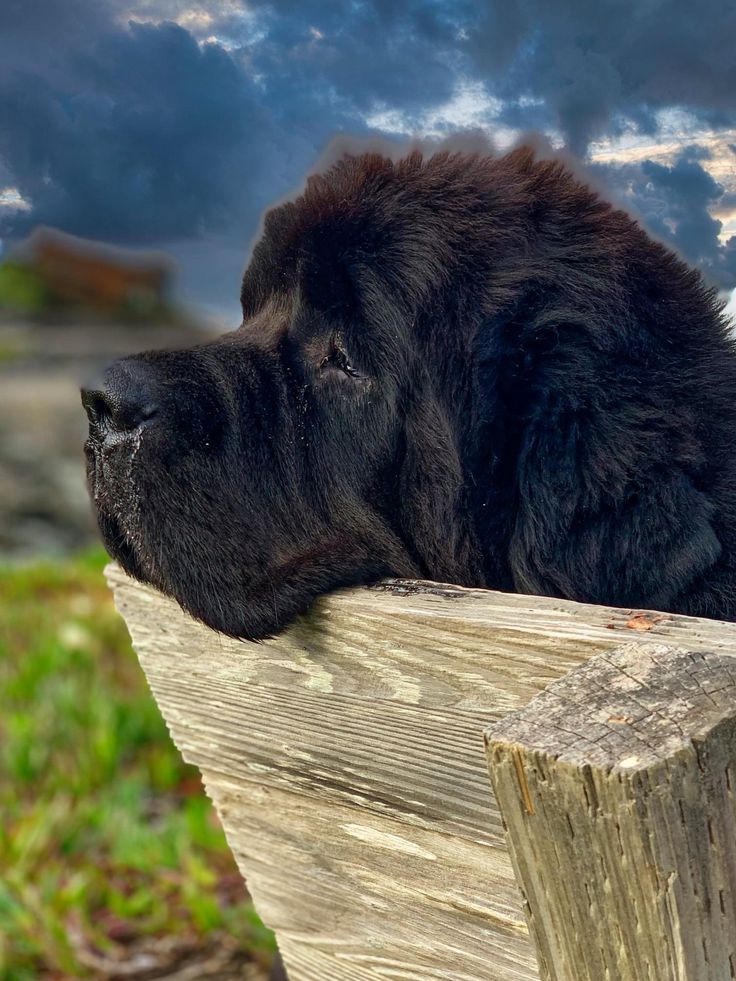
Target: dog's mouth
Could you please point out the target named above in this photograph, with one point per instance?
(115, 494)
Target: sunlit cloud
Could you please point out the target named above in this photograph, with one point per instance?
(677, 131)
(470, 108)
(228, 23)
(10, 197)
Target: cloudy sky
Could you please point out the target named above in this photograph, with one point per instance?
(172, 124)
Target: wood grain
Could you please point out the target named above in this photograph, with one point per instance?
(618, 787)
(345, 758)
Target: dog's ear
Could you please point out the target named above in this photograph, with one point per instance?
(433, 512)
(322, 257)
(609, 510)
(345, 259)
(329, 266)
(351, 236)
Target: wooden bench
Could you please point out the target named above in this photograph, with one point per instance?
(346, 760)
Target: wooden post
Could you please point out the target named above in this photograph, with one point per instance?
(617, 786)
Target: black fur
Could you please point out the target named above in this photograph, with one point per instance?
(459, 368)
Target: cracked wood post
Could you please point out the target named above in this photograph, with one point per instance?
(617, 786)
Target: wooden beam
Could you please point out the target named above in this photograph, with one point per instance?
(345, 758)
(617, 785)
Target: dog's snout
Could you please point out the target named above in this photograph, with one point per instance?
(95, 404)
(121, 400)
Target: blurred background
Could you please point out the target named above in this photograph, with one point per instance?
(139, 145)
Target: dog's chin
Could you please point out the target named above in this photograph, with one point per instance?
(120, 547)
(247, 616)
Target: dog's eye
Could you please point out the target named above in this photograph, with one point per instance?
(338, 359)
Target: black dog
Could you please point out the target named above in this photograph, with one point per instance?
(458, 368)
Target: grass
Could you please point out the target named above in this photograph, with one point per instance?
(109, 849)
(9, 353)
(21, 288)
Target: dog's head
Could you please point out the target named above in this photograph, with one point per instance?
(311, 448)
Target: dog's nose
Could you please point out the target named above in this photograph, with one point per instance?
(121, 400)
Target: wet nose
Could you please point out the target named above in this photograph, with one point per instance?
(122, 399)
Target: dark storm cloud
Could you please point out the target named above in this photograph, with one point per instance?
(137, 132)
(364, 53)
(144, 132)
(38, 34)
(674, 202)
(147, 135)
(593, 65)
(599, 64)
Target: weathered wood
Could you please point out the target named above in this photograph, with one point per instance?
(618, 789)
(345, 758)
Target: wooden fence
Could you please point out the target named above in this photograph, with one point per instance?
(346, 761)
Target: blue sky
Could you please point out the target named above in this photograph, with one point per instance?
(169, 124)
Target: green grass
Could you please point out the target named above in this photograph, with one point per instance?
(21, 288)
(108, 845)
(9, 353)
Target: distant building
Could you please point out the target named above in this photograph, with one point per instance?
(79, 273)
